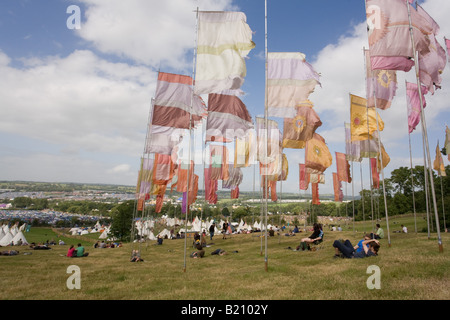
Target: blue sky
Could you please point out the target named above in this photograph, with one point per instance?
(75, 103)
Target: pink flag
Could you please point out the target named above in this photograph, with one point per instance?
(304, 177)
(432, 64)
(413, 104)
(389, 34)
(381, 85)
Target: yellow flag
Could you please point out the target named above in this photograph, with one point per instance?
(317, 155)
(438, 163)
(363, 119)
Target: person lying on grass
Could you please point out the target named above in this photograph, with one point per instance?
(347, 250)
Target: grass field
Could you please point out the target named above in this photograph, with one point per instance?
(412, 268)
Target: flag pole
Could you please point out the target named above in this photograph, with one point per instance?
(189, 150)
(441, 248)
(379, 151)
(267, 134)
(410, 161)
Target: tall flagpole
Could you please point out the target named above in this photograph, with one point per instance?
(267, 136)
(424, 126)
(190, 129)
(379, 152)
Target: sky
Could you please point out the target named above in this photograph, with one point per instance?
(75, 101)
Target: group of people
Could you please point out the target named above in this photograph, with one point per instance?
(77, 252)
(103, 244)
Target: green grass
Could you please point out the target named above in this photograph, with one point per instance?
(411, 268)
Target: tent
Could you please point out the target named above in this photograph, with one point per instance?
(20, 236)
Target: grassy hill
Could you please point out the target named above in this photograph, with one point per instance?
(411, 268)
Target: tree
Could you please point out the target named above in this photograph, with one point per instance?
(122, 220)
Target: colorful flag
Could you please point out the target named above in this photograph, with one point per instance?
(162, 169)
(175, 104)
(144, 182)
(290, 80)
(298, 130)
(160, 192)
(413, 104)
(182, 177)
(224, 40)
(432, 64)
(235, 193)
(352, 148)
(228, 118)
(363, 120)
(317, 154)
(381, 85)
(317, 178)
(315, 193)
(219, 162)
(211, 187)
(244, 150)
(304, 177)
(389, 34)
(191, 197)
(272, 185)
(375, 175)
(343, 168)
(438, 163)
(382, 157)
(369, 147)
(337, 186)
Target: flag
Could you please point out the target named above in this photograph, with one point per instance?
(363, 119)
(304, 177)
(315, 193)
(432, 64)
(352, 148)
(243, 150)
(382, 157)
(389, 34)
(369, 147)
(272, 185)
(337, 186)
(317, 154)
(224, 40)
(162, 169)
(375, 175)
(144, 182)
(219, 162)
(228, 118)
(270, 137)
(191, 197)
(291, 79)
(160, 191)
(235, 178)
(182, 177)
(235, 193)
(211, 187)
(343, 168)
(317, 178)
(175, 104)
(447, 142)
(381, 85)
(413, 104)
(298, 130)
(438, 163)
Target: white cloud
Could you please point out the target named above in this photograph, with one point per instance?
(153, 33)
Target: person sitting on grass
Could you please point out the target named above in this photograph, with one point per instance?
(315, 236)
(81, 252)
(71, 252)
(379, 234)
(200, 253)
(347, 250)
(136, 256)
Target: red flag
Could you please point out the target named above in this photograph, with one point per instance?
(315, 193)
(343, 167)
(338, 195)
(304, 177)
(375, 175)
